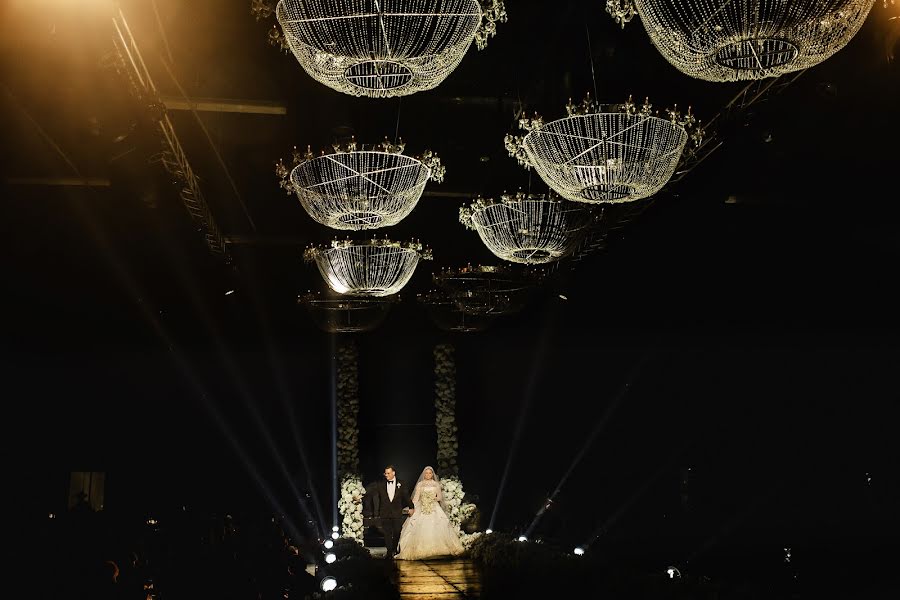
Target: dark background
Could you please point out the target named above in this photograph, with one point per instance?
(764, 331)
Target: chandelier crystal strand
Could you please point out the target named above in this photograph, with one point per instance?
(605, 154)
(527, 228)
(354, 188)
(385, 48)
(737, 40)
(367, 268)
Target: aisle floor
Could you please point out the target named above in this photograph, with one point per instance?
(438, 579)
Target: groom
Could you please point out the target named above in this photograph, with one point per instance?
(393, 497)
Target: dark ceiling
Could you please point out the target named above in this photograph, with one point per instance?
(110, 278)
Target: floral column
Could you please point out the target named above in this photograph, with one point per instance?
(447, 442)
(352, 490)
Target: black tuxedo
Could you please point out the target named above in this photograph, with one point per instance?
(390, 513)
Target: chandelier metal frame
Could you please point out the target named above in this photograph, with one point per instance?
(527, 228)
(486, 289)
(346, 314)
(383, 48)
(736, 40)
(605, 154)
(448, 316)
(376, 267)
(355, 188)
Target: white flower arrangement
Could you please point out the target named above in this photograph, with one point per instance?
(447, 441)
(350, 506)
(468, 539)
(352, 490)
(445, 408)
(452, 489)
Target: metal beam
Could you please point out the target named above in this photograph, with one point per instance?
(60, 181)
(265, 240)
(130, 63)
(224, 105)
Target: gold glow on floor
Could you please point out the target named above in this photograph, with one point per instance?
(438, 579)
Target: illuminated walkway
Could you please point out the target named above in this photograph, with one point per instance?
(438, 579)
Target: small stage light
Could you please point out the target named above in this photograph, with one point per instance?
(563, 297)
(329, 544)
(152, 522)
(328, 584)
(489, 531)
(579, 551)
(673, 572)
(522, 538)
(335, 535)
(52, 516)
(330, 557)
(335, 528)
(229, 292)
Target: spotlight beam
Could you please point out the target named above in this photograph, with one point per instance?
(134, 289)
(234, 371)
(129, 47)
(646, 485)
(727, 528)
(278, 373)
(537, 359)
(600, 426)
(251, 468)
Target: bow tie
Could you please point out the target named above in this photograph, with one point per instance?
(390, 483)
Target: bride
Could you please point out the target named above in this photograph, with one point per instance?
(428, 532)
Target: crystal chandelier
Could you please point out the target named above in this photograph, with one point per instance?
(527, 228)
(732, 40)
(346, 314)
(448, 316)
(355, 188)
(384, 48)
(487, 290)
(367, 268)
(605, 153)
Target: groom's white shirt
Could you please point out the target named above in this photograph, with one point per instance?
(390, 489)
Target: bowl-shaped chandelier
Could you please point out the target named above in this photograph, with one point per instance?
(385, 48)
(604, 153)
(367, 268)
(487, 290)
(731, 40)
(448, 316)
(527, 228)
(346, 314)
(355, 188)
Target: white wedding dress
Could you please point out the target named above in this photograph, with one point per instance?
(428, 532)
